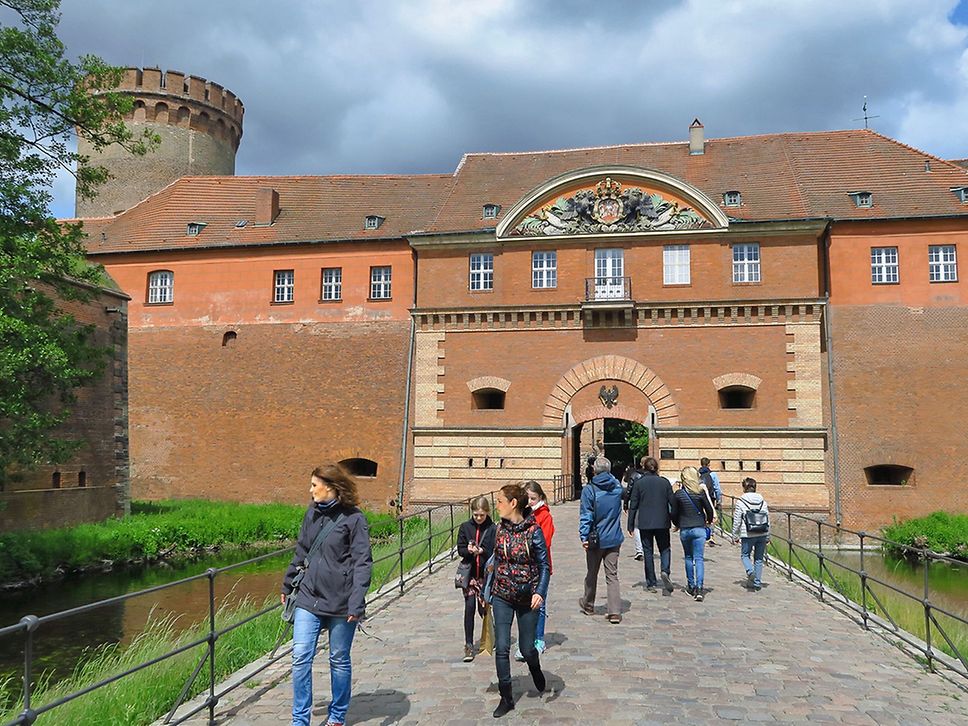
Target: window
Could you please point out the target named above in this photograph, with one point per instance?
(942, 263)
(482, 271)
(332, 283)
(285, 286)
(229, 337)
(491, 211)
(863, 199)
(667, 454)
(889, 475)
(373, 221)
(488, 398)
(732, 199)
(360, 467)
(746, 262)
(675, 265)
(884, 265)
(544, 269)
(161, 287)
(380, 283)
(961, 193)
(55, 480)
(82, 478)
(193, 229)
(736, 397)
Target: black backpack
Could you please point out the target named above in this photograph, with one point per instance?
(756, 520)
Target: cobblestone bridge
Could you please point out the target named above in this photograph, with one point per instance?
(773, 656)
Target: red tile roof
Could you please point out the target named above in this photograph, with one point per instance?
(780, 176)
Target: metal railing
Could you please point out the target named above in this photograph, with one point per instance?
(608, 288)
(816, 565)
(419, 547)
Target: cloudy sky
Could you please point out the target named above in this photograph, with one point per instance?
(375, 86)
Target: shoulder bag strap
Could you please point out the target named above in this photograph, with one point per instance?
(694, 505)
(327, 527)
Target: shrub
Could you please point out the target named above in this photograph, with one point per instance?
(938, 532)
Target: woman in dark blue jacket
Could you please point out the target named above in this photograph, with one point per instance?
(516, 588)
(601, 509)
(332, 593)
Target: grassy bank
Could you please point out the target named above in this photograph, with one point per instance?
(938, 532)
(153, 531)
(143, 697)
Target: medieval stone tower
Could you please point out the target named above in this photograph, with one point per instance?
(200, 125)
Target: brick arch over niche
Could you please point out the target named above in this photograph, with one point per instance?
(747, 380)
(501, 384)
(616, 368)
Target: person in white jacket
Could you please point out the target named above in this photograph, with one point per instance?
(751, 542)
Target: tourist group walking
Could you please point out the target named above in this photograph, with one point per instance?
(505, 567)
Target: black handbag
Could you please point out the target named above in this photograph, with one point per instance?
(594, 540)
(289, 608)
(462, 579)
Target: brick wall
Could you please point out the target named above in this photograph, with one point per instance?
(248, 421)
(901, 399)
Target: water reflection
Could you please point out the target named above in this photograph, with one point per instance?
(58, 646)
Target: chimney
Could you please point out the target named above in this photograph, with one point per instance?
(266, 206)
(697, 144)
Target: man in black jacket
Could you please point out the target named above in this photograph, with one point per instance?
(649, 507)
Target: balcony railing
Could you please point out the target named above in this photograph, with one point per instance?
(608, 289)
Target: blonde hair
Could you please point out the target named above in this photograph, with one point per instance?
(690, 480)
(481, 503)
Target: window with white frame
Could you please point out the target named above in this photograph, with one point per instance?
(884, 265)
(482, 271)
(380, 283)
(161, 287)
(746, 262)
(332, 283)
(675, 265)
(284, 287)
(544, 269)
(942, 263)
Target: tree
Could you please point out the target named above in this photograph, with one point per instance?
(637, 437)
(45, 99)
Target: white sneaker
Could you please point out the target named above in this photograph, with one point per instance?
(519, 656)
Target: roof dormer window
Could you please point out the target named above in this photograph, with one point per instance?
(491, 211)
(732, 199)
(193, 229)
(862, 199)
(961, 193)
(372, 221)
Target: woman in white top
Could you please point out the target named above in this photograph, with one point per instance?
(752, 542)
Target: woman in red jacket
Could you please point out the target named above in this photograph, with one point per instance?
(542, 515)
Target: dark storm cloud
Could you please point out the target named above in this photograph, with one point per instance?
(384, 87)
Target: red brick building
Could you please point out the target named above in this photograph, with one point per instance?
(710, 290)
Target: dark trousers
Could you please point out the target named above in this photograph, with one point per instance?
(660, 537)
(504, 613)
(472, 608)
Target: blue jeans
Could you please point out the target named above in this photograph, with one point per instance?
(305, 635)
(693, 544)
(542, 616)
(756, 545)
(504, 613)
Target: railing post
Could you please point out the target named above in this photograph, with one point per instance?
(211, 645)
(820, 555)
(430, 541)
(400, 521)
(789, 546)
(452, 542)
(31, 622)
(863, 582)
(927, 609)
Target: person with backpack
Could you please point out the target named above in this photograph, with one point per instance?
(517, 587)
(628, 479)
(600, 531)
(751, 524)
(692, 513)
(710, 481)
(475, 545)
(330, 571)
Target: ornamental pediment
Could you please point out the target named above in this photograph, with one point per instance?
(614, 201)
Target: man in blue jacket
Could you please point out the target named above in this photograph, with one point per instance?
(601, 519)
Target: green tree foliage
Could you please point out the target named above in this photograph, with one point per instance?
(637, 437)
(45, 98)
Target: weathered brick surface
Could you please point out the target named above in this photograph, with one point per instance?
(248, 421)
(777, 656)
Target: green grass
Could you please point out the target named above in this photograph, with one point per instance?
(938, 532)
(171, 528)
(907, 613)
(143, 697)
